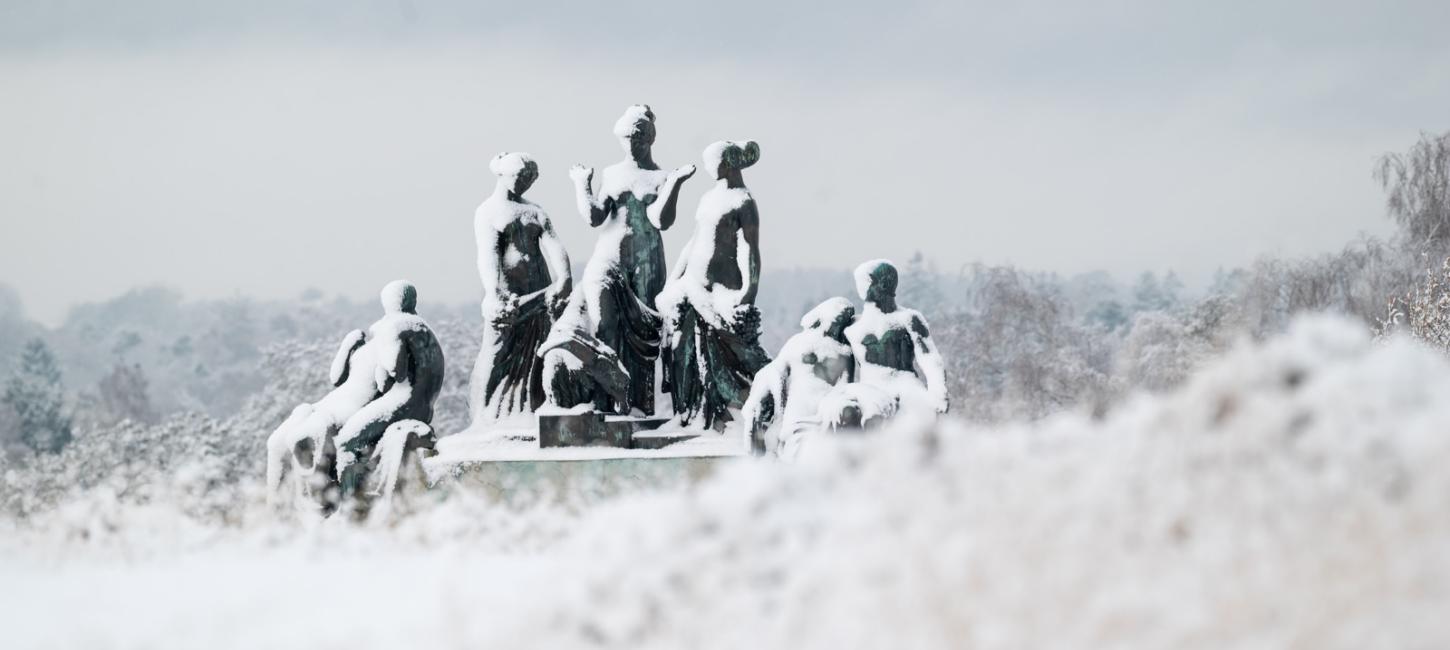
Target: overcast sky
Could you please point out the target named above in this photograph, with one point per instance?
(263, 147)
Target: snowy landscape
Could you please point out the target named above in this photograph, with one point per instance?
(863, 382)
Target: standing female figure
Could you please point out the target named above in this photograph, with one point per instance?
(615, 311)
(526, 282)
(712, 328)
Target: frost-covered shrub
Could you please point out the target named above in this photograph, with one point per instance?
(1423, 312)
(206, 466)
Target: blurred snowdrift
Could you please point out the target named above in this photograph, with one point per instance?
(1292, 494)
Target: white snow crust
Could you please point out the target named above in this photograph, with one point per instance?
(1292, 494)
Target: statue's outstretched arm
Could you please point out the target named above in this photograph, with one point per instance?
(561, 282)
(592, 209)
(662, 212)
(929, 362)
(342, 363)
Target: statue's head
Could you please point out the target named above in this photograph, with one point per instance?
(517, 171)
(876, 283)
(832, 315)
(400, 296)
(725, 155)
(636, 127)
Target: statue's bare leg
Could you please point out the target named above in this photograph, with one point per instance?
(355, 441)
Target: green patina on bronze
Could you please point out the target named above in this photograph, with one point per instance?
(626, 326)
(709, 368)
(895, 348)
(642, 253)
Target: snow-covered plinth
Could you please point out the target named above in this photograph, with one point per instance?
(520, 443)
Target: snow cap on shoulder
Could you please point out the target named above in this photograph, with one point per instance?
(510, 164)
(736, 154)
(399, 296)
(866, 270)
(633, 118)
(827, 312)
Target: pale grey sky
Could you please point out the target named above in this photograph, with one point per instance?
(268, 146)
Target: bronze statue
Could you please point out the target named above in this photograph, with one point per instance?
(526, 282)
(389, 374)
(712, 328)
(612, 318)
(790, 388)
(892, 345)
(408, 373)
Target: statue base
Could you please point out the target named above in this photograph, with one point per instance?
(599, 430)
(616, 441)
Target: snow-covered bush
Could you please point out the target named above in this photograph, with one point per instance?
(1424, 312)
(205, 466)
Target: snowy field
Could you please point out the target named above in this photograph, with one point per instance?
(1294, 494)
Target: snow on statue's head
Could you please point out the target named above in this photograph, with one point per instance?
(515, 170)
(399, 296)
(834, 311)
(636, 125)
(876, 282)
(725, 155)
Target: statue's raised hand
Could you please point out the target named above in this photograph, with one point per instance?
(680, 175)
(582, 175)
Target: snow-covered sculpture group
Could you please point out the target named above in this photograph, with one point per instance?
(700, 321)
(600, 353)
(591, 350)
(385, 382)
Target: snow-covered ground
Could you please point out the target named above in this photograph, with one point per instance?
(1293, 494)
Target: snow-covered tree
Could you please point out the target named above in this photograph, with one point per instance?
(1018, 351)
(921, 286)
(1163, 348)
(1172, 288)
(1149, 294)
(37, 396)
(123, 395)
(1418, 186)
(1108, 315)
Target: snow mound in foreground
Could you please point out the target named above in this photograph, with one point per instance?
(1293, 494)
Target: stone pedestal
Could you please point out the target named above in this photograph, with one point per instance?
(599, 430)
